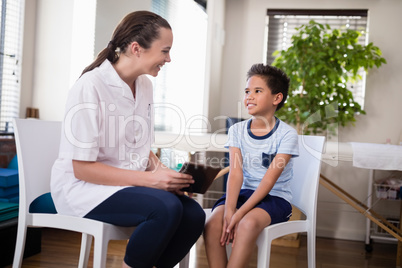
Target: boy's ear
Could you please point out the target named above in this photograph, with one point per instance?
(278, 98)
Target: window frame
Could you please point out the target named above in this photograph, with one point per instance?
(11, 31)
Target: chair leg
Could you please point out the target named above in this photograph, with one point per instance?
(264, 249)
(86, 242)
(184, 263)
(229, 250)
(311, 244)
(100, 252)
(20, 245)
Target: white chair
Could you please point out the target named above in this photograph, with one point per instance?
(37, 148)
(304, 186)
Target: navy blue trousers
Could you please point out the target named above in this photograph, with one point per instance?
(167, 224)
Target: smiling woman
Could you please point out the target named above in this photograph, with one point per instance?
(106, 170)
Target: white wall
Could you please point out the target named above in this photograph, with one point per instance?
(245, 31)
(51, 66)
(108, 15)
(48, 58)
(215, 44)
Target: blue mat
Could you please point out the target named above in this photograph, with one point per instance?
(8, 211)
(8, 177)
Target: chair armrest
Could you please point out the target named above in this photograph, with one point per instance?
(222, 172)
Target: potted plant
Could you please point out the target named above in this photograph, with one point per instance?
(320, 63)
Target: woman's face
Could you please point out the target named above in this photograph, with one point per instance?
(158, 54)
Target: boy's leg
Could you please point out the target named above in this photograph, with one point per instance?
(246, 236)
(216, 254)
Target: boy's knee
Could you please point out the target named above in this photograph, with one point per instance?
(248, 225)
(213, 225)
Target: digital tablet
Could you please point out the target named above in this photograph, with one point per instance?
(203, 176)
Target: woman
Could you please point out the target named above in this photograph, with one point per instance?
(106, 170)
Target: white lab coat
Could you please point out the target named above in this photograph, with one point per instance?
(104, 123)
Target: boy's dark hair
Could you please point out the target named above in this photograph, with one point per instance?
(276, 80)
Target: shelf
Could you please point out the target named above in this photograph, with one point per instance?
(387, 192)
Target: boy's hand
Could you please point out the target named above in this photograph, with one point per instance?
(225, 237)
(232, 227)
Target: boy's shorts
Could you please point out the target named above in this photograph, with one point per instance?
(278, 208)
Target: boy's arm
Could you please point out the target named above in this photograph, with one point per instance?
(235, 181)
(235, 178)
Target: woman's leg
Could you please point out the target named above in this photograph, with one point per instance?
(216, 254)
(247, 233)
(188, 232)
(156, 213)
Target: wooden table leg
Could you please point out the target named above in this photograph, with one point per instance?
(399, 250)
(158, 152)
(370, 214)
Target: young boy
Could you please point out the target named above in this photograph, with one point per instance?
(258, 189)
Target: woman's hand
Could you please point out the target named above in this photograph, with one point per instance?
(170, 180)
(166, 179)
(161, 178)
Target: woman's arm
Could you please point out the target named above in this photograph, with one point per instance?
(159, 177)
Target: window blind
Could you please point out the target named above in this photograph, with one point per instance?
(10, 61)
(282, 24)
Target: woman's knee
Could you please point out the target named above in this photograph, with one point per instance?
(193, 212)
(171, 206)
(197, 212)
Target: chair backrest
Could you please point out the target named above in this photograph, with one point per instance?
(306, 172)
(37, 144)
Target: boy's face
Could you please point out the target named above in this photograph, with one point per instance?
(258, 98)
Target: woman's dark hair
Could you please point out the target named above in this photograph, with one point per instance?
(276, 80)
(139, 26)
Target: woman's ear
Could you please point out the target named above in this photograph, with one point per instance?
(135, 49)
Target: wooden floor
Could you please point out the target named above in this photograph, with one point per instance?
(61, 249)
